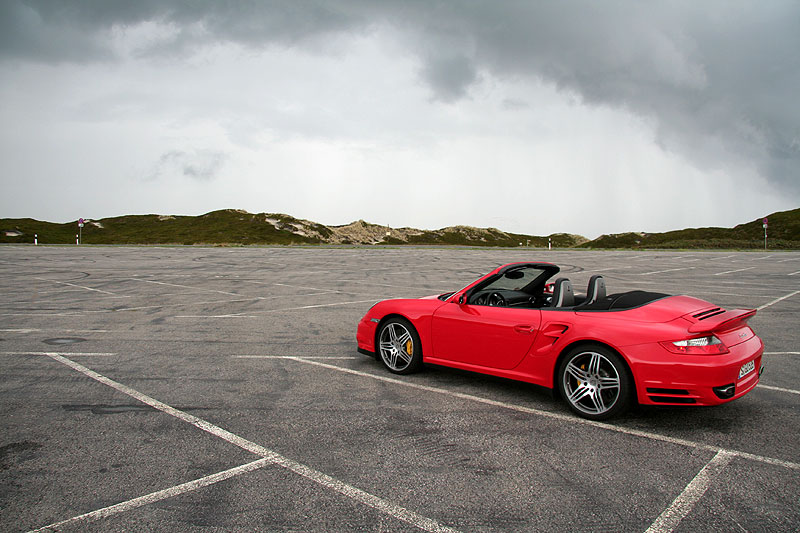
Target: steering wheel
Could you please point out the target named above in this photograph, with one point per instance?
(496, 300)
(480, 299)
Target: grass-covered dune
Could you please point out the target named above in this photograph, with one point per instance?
(231, 226)
(236, 227)
(783, 233)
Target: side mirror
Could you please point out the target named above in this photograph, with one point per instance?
(461, 300)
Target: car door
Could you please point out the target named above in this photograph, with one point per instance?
(494, 337)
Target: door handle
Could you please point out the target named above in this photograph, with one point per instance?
(524, 328)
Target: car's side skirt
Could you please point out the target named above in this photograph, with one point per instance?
(509, 374)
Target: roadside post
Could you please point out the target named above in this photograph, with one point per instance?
(765, 233)
(549, 243)
(80, 231)
(36, 239)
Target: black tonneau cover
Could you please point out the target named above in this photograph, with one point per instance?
(622, 300)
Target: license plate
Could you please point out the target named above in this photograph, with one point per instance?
(747, 368)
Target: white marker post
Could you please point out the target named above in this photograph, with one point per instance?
(549, 243)
(80, 231)
(765, 233)
(36, 239)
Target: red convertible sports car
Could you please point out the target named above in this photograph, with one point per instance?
(599, 352)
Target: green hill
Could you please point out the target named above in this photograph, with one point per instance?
(231, 226)
(236, 227)
(783, 233)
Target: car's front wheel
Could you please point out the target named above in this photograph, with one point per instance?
(399, 346)
(595, 383)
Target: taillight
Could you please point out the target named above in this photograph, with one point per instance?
(708, 345)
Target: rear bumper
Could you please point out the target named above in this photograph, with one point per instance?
(663, 378)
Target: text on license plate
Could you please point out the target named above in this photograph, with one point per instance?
(747, 368)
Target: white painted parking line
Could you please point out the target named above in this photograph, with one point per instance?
(718, 258)
(557, 416)
(324, 305)
(215, 316)
(303, 287)
(776, 300)
(32, 330)
(430, 289)
(157, 496)
(290, 357)
(183, 286)
(219, 302)
(350, 491)
(668, 270)
(732, 271)
(686, 500)
(760, 258)
(79, 354)
(261, 314)
(76, 313)
(781, 353)
(78, 286)
(779, 389)
(794, 273)
(605, 269)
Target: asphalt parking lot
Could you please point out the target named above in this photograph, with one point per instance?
(184, 389)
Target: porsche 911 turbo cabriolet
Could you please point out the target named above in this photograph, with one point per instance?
(600, 352)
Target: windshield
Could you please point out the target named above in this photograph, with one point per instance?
(516, 279)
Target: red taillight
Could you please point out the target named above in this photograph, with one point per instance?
(708, 345)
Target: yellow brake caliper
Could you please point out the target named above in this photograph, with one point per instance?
(409, 347)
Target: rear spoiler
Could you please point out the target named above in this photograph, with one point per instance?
(723, 321)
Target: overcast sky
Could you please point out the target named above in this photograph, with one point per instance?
(533, 117)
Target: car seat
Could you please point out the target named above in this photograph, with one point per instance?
(562, 294)
(596, 290)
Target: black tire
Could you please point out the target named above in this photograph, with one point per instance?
(398, 346)
(595, 383)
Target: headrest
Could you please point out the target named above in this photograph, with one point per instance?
(596, 289)
(562, 293)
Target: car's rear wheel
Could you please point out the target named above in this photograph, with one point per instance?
(595, 383)
(399, 346)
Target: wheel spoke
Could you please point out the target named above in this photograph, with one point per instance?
(406, 336)
(392, 332)
(594, 364)
(577, 373)
(597, 400)
(607, 383)
(579, 393)
(404, 356)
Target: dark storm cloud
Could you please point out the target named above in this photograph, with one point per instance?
(201, 165)
(55, 31)
(449, 77)
(717, 79)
